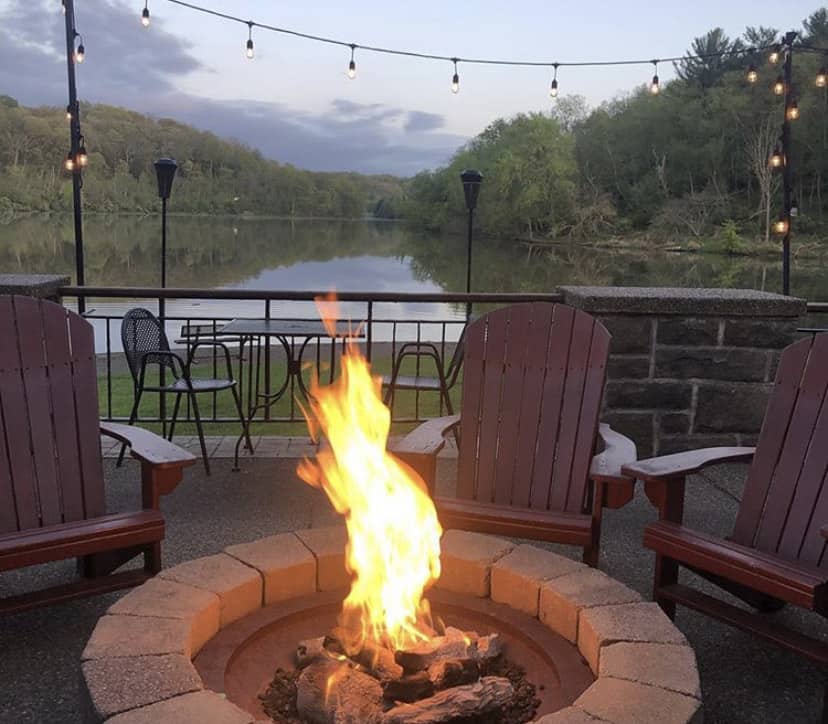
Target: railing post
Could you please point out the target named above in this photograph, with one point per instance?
(267, 360)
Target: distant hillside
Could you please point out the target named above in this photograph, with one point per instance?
(214, 176)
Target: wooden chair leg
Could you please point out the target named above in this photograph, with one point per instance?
(200, 429)
(666, 574)
(152, 558)
(133, 415)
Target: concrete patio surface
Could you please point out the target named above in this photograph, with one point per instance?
(743, 679)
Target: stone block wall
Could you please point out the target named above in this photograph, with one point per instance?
(689, 368)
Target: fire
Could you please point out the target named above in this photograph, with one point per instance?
(393, 550)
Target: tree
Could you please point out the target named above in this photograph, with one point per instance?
(707, 71)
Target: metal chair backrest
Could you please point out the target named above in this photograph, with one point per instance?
(456, 361)
(532, 389)
(50, 450)
(142, 333)
(785, 500)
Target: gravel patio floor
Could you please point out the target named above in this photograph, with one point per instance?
(743, 679)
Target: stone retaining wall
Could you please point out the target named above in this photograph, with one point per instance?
(689, 367)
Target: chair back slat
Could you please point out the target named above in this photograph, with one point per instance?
(519, 332)
(596, 373)
(475, 346)
(44, 440)
(19, 501)
(531, 394)
(532, 390)
(490, 406)
(785, 484)
(59, 361)
(545, 435)
(85, 385)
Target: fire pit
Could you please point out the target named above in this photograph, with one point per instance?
(187, 646)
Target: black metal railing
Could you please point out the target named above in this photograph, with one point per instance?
(385, 329)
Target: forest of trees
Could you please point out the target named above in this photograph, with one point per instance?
(214, 175)
(690, 162)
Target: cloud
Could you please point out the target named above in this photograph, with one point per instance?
(348, 136)
(422, 121)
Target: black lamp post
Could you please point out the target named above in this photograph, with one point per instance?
(471, 190)
(165, 169)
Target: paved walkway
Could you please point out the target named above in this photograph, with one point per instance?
(744, 680)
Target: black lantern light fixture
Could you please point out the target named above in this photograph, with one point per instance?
(471, 190)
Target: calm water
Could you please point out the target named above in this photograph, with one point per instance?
(359, 256)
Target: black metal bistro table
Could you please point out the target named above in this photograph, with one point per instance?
(294, 336)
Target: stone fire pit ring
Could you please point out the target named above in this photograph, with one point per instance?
(137, 667)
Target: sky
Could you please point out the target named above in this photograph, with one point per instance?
(294, 100)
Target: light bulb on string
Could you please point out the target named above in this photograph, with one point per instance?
(83, 157)
(63, 6)
(655, 87)
(455, 79)
(775, 54)
(821, 79)
(68, 113)
(69, 163)
(553, 86)
(80, 51)
(752, 74)
(352, 64)
(776, 159)
(792, 111)
(780, 226)
(779, 86)
(145, 15)
(249, 48)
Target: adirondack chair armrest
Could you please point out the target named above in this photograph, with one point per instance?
(679, 465)
(419, 448)
(162, 462)
(618, 450)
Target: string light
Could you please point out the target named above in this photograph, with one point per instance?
(776, 159)
(792, 111)
(80, 51)
(68, 113)
(752, 74)
(780, 226)
(455, 79)
(779, 86)
(145, 15)
(655, 88)
(775, 54)
(553, 87)
(69, 163)
(83, 158)
(822, 77)
(352, 64)
(249, 50)
(63, 6)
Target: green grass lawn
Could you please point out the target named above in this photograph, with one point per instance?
(405, 403)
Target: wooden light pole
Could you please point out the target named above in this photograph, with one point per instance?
(787, 170)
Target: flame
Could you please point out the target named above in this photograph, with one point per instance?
(393, 550)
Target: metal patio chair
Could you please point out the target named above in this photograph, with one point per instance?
(145, 343)
(442, 383)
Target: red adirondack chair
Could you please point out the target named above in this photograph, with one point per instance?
(52, 503)
(532, 388)
(776, 553)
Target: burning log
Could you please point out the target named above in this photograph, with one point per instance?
(343, 640)
(485, 696)
(331, 692)
(379, 660)
(455, 644)
(409, 688)
(488, 647)
(452, 672)
(309, 651)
